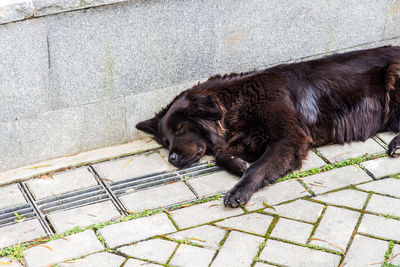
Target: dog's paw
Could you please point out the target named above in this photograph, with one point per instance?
(238, 166)
(394, 150)
(236, 197)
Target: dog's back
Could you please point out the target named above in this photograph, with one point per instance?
(339, 98)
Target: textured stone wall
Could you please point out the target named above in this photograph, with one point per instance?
(78, 75)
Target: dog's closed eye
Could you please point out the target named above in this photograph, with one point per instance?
(166, 143)
(179, 129)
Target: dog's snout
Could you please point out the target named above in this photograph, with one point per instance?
(172, 157)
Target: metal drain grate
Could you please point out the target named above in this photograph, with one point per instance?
(143, 182)
(200, 169)
(37, 209)
(147, 181)
(29, 198)
(73, 199)
(10, 215)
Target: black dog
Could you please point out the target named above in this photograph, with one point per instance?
(273, 117)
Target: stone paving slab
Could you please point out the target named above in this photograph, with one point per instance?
(396, 251)
(245, 247)
(366, 251)
(95, 260)
(380, 227)
(83, 216)
(384, 205)
(213, 184)
(349, 198)
(386, 136)
(336, 153)
(10, 196)
(207, 236)
(261, 264)
(276, 193)
(312, 161)
(138, 263)
(136, 230)
(388, 186)
(72, 246)
(158, 250)
(12, 11)
(203, 213)
(383, 167)
(336, 227)
(9, 262)
(292, 255)
(84, 158)
(164, 153)
(130, 167)
(20, 232)
(157, 197)
(300, 210)
(192, 256)
(253, 223)
(292, 230)
(61, 183)
(47, 7)
(335, 179)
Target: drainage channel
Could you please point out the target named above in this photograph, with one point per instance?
(15, 214)
(147, 181)
(73, 199)
(39, 215)
(38, 209)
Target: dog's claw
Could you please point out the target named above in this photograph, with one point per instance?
(394, 151)
(236, 197)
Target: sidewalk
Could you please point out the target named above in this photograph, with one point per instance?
(117, 209)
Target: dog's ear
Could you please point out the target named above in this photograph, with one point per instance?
(149, 126)
(204, 107)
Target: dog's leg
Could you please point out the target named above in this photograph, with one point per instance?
(281, 158)
(394, 146)
(231, 162)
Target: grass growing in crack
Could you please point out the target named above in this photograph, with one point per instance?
(319, 155)
(264, 243)
(260, 248)
(390, 216)
(103, 242)
(322, 213)
(396, 176)
(220, 244)
(211, 164)
(340, 253)
(388, 253)
(14, 252)
(328, 167)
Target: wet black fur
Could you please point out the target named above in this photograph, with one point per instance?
(274, 116)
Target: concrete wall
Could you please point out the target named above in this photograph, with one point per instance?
(78, 75)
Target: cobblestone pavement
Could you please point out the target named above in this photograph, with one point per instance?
(341, 209)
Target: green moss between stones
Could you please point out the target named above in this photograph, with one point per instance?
(329, 167)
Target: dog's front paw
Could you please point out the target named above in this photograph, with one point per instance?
(394, 150)
(237, 166)
(236, 197)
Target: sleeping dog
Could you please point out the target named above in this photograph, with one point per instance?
(273, 117)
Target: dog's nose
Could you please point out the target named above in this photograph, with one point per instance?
(172, 157)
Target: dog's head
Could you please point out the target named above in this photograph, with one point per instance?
(184, 127)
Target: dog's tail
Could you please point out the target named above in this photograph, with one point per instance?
(392, 84)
